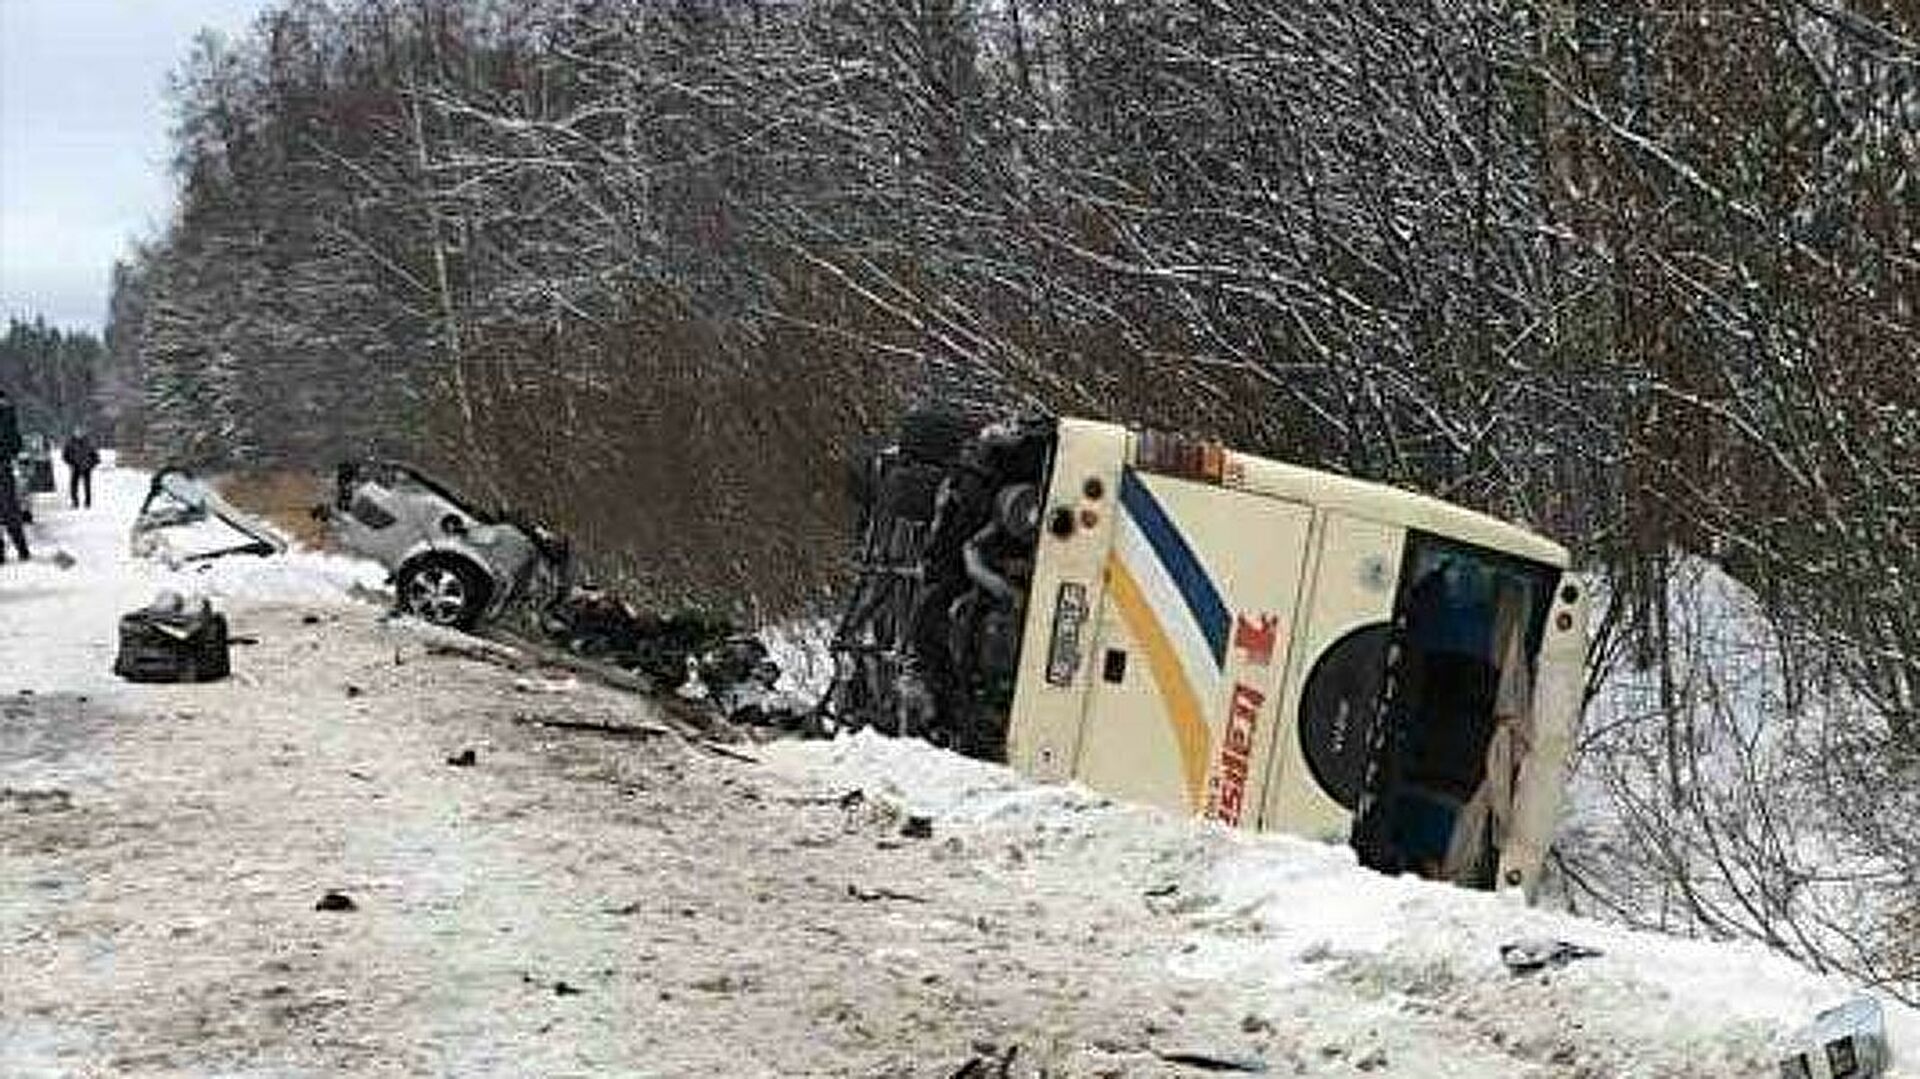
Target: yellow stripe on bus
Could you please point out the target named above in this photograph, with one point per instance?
(1183, 708)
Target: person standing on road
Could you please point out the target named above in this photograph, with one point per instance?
(9, 493)
(82, 456)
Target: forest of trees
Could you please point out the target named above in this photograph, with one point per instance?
(55, 377)
(1643, 275)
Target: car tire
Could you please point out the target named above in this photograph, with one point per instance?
(443, 591)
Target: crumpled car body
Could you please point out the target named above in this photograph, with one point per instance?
(451, 562)
(185, 520)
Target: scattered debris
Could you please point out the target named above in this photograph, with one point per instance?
(613, 730)
(669, 651)
(439, 641)
(336, 901)
(1530, 956)
(849, 800)
(873, 895)
(463, 759)
(173, 639)
(721, 749)
(917, 827)
(985, 1064)
(528, 652)
(1210, 1062)
(30, 801)
(721, 983)
(1844, 1042)
(687, 656)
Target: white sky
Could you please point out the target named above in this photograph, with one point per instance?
(83, 140)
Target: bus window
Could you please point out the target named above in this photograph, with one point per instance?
(1466, 629)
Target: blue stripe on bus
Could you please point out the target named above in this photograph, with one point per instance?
(1203, 599)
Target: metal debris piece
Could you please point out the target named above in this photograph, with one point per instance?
(1210, 1062)
(1531, 956)
(175, 498)
(871, 895)
(1844, 1042)
(985, 1064)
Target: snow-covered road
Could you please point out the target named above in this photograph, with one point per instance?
(575, 904)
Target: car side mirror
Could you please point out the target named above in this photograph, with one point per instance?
(453, 525)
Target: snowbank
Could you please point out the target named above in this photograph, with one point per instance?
(1291, 917)
(1744, 764)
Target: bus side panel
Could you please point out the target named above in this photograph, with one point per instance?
(1063, 603)
(1201, 586)
(1347, 614)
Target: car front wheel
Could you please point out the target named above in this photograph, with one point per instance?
(443, 591)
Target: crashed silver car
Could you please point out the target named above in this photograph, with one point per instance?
(452, 563)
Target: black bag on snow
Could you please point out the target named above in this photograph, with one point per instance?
(173, 640)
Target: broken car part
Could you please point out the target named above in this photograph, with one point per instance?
(177, 503)
(1531, 956)
(173, 639)
(1844, 1042)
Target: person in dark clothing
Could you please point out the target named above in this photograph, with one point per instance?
(82, 458)
(9, 493)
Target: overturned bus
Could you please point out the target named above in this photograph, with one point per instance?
(1172, 622)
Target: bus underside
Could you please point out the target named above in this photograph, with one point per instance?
(928, 644)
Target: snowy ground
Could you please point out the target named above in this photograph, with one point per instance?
(576, 904)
